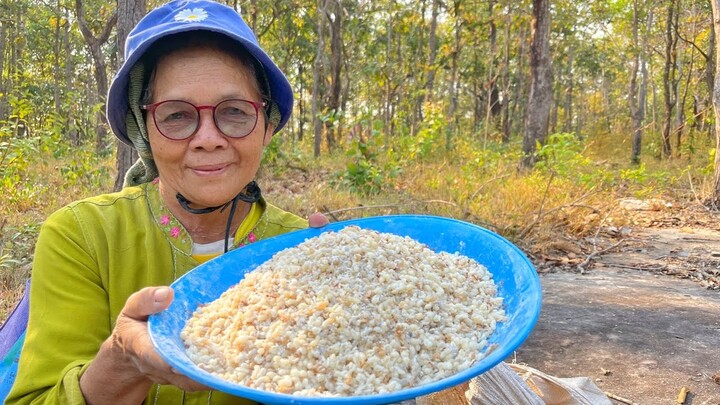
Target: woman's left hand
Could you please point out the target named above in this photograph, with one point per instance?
(318, 220)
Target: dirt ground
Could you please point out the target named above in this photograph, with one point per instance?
(643, 320)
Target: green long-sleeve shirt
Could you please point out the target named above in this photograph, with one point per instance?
(90, 257)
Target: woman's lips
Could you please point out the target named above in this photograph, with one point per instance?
(209, 170)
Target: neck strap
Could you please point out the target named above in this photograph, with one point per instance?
(250, 194)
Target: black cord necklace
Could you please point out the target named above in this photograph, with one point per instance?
(250, 194)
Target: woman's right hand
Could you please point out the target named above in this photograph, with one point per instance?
(127, 364)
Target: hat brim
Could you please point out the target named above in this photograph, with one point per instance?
(117, 101)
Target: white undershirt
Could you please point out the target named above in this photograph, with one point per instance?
(210, 248)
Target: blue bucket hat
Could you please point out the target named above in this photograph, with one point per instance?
(182, 16)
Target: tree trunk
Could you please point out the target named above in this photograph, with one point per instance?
(417, 113)
(493, 100)
(710, 64)
(16, 68)
(253, 15)
(679, 118)
(335, 18)
(637, 103)
(318, 80)
(432, 50)
(301, 105)
(519, 108)
(57, 40)
(506, 122)
(452, 116)
(568, 107)
(100, 69)
(714, 200)
(389, 66)
(74, 134)
(3, 82)
(669, 76)
(541, 83)
(129, 13)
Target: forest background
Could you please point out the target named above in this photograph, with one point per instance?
(530, 118)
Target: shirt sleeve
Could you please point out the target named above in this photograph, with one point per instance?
(69, 315)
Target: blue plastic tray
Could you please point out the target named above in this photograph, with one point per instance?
(513, 273)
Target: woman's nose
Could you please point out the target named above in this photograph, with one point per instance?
(208, 135)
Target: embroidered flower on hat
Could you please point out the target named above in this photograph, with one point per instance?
(188, 15)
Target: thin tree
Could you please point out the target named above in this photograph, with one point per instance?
(334, 14)
(95, 44)
(3, 82)
(637, 96)
(568, 114)
(129, 13)
(714, 200)
(452, 116)
(670, 78)
(432, 49)
(505, 76)
(492, 97)
(388, 71)
(318, 78)
(541, 83)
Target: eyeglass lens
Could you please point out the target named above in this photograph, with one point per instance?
(180, 119)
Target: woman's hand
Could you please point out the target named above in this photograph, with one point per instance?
(317, 220)
(127, 364)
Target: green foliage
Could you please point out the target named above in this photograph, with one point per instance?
(427, 139)
(281, 153)
(84, 169)
(562, 154)
(364, 173)
(15, 153)
(490, 159)
(710, 166)
(637, 175)
(16, 247)
(273, 152)
(6, 261)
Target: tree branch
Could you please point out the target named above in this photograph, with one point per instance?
(687, 41)
(87, 32)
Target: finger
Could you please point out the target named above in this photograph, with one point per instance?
(317, 220)
(178, 380)
(187, 383)
(148, 301)
(173, 377)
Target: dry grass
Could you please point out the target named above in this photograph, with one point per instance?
(533, 209)
(11, 292)
(46, 185)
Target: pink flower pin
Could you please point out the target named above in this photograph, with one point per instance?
(165, 219)
(251, 237)
(175, 232)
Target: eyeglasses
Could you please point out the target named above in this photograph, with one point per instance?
(178, 120)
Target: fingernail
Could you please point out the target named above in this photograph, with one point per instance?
(161, 294)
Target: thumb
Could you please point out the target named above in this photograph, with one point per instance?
(148, 301)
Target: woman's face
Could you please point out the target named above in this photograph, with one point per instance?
(208, 168)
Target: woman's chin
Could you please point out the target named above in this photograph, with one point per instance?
(204, 193)
(210, 196)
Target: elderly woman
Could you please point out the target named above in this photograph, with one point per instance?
(199, 99)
